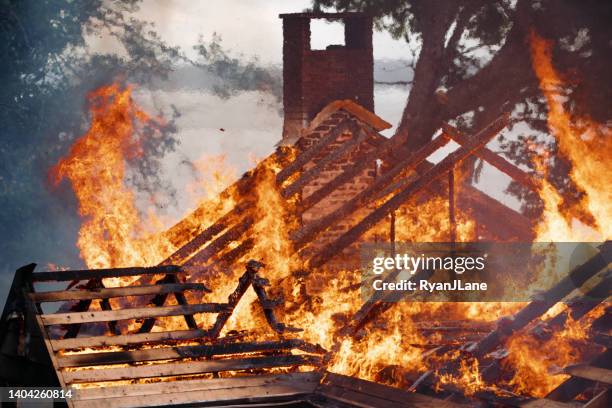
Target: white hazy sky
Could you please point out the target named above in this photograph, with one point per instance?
(250, 27)
(250, 128)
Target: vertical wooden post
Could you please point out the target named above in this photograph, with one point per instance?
(451, 206)
(392, 233)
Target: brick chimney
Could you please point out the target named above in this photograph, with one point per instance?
(314, 78)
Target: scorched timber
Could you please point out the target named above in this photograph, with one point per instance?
(173, 353)
(65, 295)
(311, 153)
(133, 313)
(220, 243)
(160, 300)
(243, 284)
(574, 386)
(364, 197)
(205, 236)
(494, 159)
(310, 174)
(421, 182)
(536, 308)
(546, 300)
(78, 275)
(193, 367)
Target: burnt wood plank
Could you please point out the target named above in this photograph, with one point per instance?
(258, 396)
(576, 278)
(88, 274)
(302, 380)
(589, 372)
(495, 160)
(371, 394)
(128, 339)
(134, 313)
(420, 183)
(220, 242)
(170, 353)
(64, 295)
(306, 234)
(234, 298)
(312, 152)
(191, 367)
(202, 238)
(310, 174)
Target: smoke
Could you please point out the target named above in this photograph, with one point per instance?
(50, 73)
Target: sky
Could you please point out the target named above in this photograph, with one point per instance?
(250, 27)
(233, 133)
(251, 124)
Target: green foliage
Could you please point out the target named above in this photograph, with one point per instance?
(47, 69)
(486, 51)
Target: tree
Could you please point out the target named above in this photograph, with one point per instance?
(47, 69)
(474, 63)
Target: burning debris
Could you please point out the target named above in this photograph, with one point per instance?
(136, 335)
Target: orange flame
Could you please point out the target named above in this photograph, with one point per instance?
(113, 233)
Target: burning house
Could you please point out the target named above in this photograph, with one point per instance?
(253, 299)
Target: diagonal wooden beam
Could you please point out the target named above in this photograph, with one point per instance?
(312, 152)
(495, 160)
(201, 239)
(220, 242)
(306, 234)
(420, 183)
(359, 137)
(536, 308)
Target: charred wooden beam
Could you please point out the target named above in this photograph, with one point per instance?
(65, 295)
(268, 305)
(191, 367)
(306, 234)
(220, 243)
(232, 301)
(536, 308)
(205, 236)
(577, 308)
(88, 274)
(574, 386)
(183, 352)
(310, 174)
(132, 313)
(160, 300)
(589, 372)
(313, 151)
(128, 340)
(421, 182)
(84, 305)
(377, 304)
(494, 159)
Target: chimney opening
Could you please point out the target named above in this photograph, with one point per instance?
(326, 34)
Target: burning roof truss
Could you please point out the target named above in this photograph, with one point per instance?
(198, 354)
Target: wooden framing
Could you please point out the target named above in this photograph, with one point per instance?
(157, 356)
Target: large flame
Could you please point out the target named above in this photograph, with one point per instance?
(115, 233)
(587, 145)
